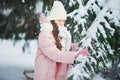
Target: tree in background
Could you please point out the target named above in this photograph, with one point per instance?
(18, 20)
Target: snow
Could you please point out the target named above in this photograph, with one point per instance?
(39, 5)
(23, 1)
(13, 61)
(11, 72)
(6, 12)
(98, 77)
(13, 54)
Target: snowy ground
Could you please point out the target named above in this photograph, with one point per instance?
(13, 61)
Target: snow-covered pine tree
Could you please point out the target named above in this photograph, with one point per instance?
(94, 23)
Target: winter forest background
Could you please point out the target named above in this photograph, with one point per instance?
(95, 24)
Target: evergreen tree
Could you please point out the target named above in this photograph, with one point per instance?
(95, 24)
(20, 21)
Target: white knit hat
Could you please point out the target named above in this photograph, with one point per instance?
(57, 11)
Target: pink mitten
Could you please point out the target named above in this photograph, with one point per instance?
(83, 52)
(42, 18)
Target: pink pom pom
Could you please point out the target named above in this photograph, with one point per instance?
(42, 18)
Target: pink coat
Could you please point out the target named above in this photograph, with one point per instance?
(50, 62)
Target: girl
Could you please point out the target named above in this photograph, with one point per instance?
(53, 56)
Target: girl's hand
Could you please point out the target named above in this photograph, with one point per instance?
(82, 52)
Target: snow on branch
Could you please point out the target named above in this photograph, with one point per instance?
(94, 32)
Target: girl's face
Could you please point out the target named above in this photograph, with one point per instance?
(60, 22)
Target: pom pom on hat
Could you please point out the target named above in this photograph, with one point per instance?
(57, 12)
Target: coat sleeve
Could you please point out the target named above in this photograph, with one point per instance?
(49, 49)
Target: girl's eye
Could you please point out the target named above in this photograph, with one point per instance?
(59, 20)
